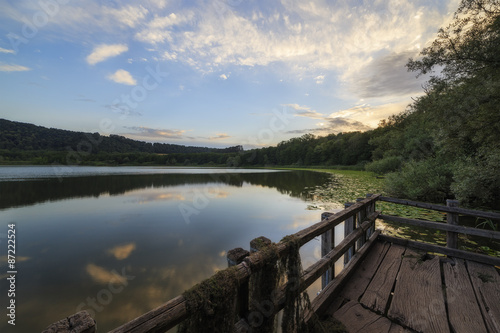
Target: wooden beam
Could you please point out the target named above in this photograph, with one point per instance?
(441, 208)
(488, 260)
(308, 234)
(443, 226)
(452, 219)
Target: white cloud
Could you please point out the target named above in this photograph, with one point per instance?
(319, 79)
(127, 15)
(123, 77)
(2, 50)
(103, 52)
(13, 68)
(224, 76)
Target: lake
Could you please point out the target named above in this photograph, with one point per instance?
(120, 241)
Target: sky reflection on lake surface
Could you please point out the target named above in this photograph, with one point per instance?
(119, 245)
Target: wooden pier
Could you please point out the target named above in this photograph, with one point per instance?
(388, 284)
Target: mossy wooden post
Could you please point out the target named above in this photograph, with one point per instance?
(452, 237)
(327, 244)
(236, 257)
(80, 322)
(261, 314)
(360, 217)
(348, 228)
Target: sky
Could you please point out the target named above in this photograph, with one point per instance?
(213, 73)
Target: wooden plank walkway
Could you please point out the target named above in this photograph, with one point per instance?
(398, 289)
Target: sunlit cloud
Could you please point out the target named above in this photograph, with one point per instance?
(160, 134)
(122, 251)
(123, 77)
(219, 136)
(304, 111)
(104, 52)
(104, 276)
(13, 68)
(370, 115)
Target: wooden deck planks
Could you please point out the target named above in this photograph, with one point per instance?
(377, 293)
(356, 286)
(463, 310)
(486, 282)
(358, 319)
(418, 301)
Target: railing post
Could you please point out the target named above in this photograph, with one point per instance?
(327, 244)
(452, 237)
(348, 228)
(236, 257)
(360, 217)
(369, 210)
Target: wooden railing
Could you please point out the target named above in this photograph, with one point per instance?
(451, 228)
(359, 234)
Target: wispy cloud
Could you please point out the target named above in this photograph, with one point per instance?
(13, 68)
(2, 50)
(123, 77)
(156, 134)
(333, 126)
(127, 15)
(219, 136)
(305, 111)
(104, 52)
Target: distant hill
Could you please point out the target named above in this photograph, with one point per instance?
(23, 136)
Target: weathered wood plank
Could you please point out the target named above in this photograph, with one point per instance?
(358, 319)
(441, 208)
(486, 282)
(418, 301)
(357, 285)
(376, 296)
(463, 311)
(443, 226)
(484, 259)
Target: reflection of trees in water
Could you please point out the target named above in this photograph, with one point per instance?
(23, 193)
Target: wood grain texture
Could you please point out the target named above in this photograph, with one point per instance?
(418, 301)
(356, 286)
(486, 282)
(376, 296)
(357, 319)
(463, 309)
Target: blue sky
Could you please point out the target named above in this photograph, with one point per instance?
(212, 73)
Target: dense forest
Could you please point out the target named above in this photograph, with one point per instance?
(16, 136)
(446, 144)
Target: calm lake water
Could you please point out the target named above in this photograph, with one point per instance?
(120, 241)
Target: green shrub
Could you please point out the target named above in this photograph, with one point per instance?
(427, 180)
(477, 180)
(385, 165)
